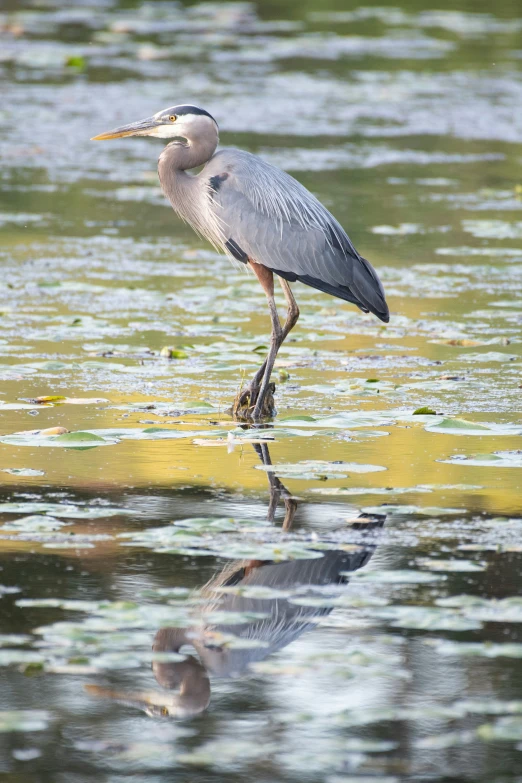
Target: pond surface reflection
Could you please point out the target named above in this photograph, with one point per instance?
(130, 502)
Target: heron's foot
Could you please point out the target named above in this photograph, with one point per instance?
(248, 407)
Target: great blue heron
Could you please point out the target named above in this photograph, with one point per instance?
(260, 216)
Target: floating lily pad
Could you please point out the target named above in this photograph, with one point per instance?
(400, 576)
(24, 720)
(24, 472)
(463, 427)
(427, 511)
(67, 440)
(370, 490)
(467, 566)
(505, 729)
(477, 649)
(428, 618)
(318, 469)
(502, 610)
(34, 524)
(499, 459)
(64, 510)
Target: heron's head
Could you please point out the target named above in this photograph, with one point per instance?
(176, 122)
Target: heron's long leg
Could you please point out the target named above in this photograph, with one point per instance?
(276, 338)
(292, 316)
(292, 313)
(255, 393)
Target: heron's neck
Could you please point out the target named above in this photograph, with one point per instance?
(181, 156)
(181, 188)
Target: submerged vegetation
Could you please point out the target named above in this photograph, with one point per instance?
(334, 595)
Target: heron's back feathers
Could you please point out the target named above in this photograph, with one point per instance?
(271, 218)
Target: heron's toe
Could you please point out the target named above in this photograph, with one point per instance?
(247, 406)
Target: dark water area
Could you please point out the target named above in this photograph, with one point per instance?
(336, 595)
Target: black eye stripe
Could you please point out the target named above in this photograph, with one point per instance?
(179, 111)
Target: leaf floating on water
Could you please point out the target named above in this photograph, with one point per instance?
(451, 565)
(310, 469)
(424, 412)
(476, 649)
(216, 524)
(428, 618)
(24, 720)
(463, 342)
(400, 576)
(505, 729)
(499, 459)
(463, 427)
(370, 490)
(428, 511)
(345, 421)
(34, 524)
(5, 590)
(12, 639)
(212, 442)
(501, 610)
(226, 752)
(297, 419)
(71, 544)
(450, 739)
(81, 440)
(457, 426)
(173, 353)
(195, 406)
(76, 61)
(83, 401)
(20, 657)
(64, 510)
(57, 437)
(232, 440)
(361, 745)
(25, 472)
(490, 356)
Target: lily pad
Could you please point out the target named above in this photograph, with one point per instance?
(318, 468)
(427, 511)
(34, 524)
(24, 472)
(400, 576)
(499, 459)
(463, 427)
(466, 566)
(67, 440)
(64, 510)
(24, 720)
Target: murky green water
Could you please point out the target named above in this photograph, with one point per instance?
(332, 646)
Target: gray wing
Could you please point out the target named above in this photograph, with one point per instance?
(269, 217)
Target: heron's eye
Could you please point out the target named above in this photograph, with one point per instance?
(173, 118)
(164, 711)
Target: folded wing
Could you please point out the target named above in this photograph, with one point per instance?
(269, 217)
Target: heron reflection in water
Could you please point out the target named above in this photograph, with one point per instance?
(280, 621)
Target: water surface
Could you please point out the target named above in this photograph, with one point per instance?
(335, 596)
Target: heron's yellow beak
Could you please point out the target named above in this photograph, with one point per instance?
(140, 128)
